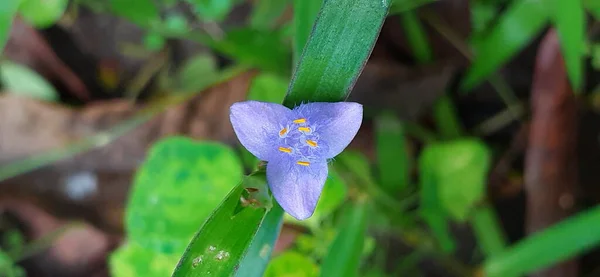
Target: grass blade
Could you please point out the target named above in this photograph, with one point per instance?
(569, 18)
(328, 68)
(305, 13)
(417, 38)
(266, 12)
(344, 254)
(487, 231)
(518, 26)
(255, 262)
(446, 118)
(557, 243)
(392, 157)
(218, 248)
(8, 10)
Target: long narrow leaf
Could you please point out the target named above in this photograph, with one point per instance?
(417, 38)
(569, 18)
(562, 241)
(266, 12)
(337, 50)
(305, 13)
(392, 157)
(488, 232)
(259, 253)
(8, 10)
(518, 26)
(222, 241)
(343, 258)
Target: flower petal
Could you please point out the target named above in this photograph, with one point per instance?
(337, 123)
(296, 188)
(257, 125)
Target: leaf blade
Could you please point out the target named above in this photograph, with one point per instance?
(8, 10)
(392, 156)
(328, 69)
(569, 17)
(343, 258)
(548, 247)
(515, 29)
(258, 255)
(305, 14)
(218, 248)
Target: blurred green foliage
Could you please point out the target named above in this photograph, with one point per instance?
(42, 13)
(186, 187)
(175, 190)
(19, 79)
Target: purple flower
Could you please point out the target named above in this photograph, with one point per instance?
(296, 145)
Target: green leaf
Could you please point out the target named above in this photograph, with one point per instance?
(176, 24)
(42, 13)
(291, 264)
(265, 13)
(198, 73)
(459, 172)
(263, 49)
(176, 189)
(416, 36)
(569, 17)
(345, 252)
(153, 41)
(359, 165)
(220, 244)
(594, 7)
(8, 267)
(446, 118)
(488, 231)
(333, 196)
(595, 55)
(20, 80)
(8, 10)
(250, 161)
(400, 6)
(482, 15)
(337, 50)
(393, 159)
(560, 242)
(431, 209)
(516, 28)
(211, 10)
(305, 14)
(141, 12)
(268, 87)
(132, 259)
(258, 255)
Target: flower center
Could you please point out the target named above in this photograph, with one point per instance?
(300, 141)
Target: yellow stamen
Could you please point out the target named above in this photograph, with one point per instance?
(303, 163)
(312, 143)
(286, 150)
(304, 129)
(283, 131)
(300, 120)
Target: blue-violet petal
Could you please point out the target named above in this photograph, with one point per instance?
(336, 123)
(296, 187)
(257, 125)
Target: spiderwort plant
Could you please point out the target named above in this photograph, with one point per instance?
(296, 144)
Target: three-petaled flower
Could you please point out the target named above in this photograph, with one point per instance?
(296, 143)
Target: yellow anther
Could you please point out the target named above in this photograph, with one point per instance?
(283, 131)
(300, 120)
(304, 129)
(286, 150)
(303, 163)
(311, 143)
